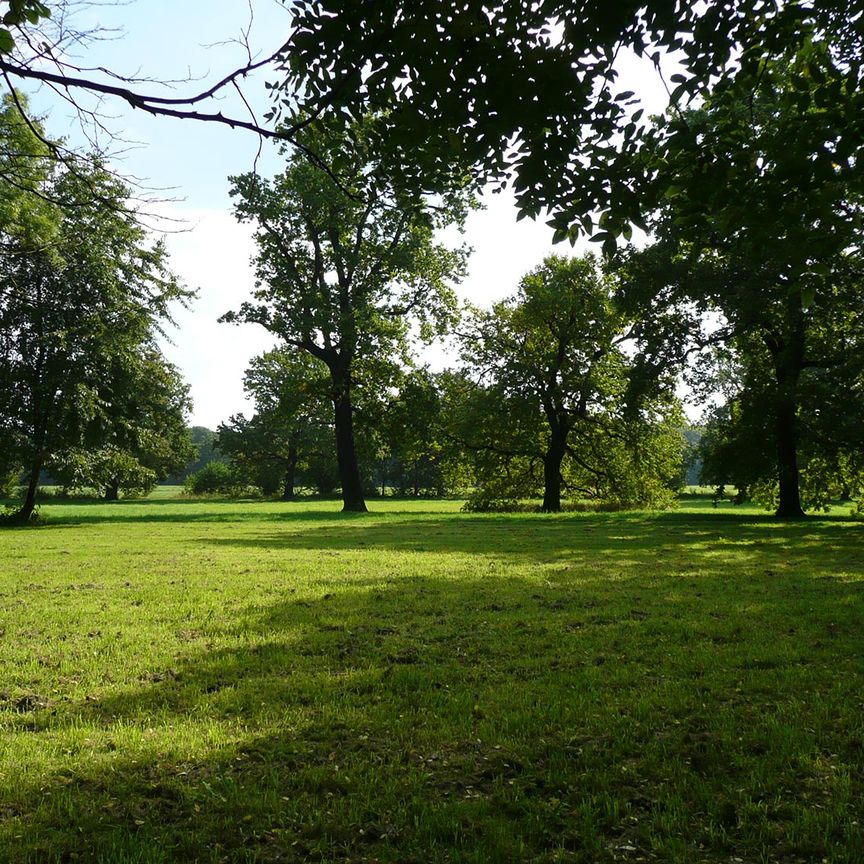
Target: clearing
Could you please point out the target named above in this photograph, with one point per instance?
(223, 681)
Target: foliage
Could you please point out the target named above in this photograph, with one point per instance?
(24, 167)
(140, 431)
(527, 91)
(290, 389)
(215, 478)
(549, 408)
(737, 448)
(9, 483)
(507, 90)
(82, 292)
(342, 270)
(203, 441)
(102, 469)
(320, 470)
(146, 410)
(762, 227)
(20, 12)
(421, 458)
(692, 466)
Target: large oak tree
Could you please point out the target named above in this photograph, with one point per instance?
(762, 225)
(344, 269)
(550, 406)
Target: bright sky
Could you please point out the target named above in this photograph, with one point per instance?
(162, 40)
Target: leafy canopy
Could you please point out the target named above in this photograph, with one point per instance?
(550, 408)
(526, 92)
(83, 292)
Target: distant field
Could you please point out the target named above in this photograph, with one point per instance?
(220, 681)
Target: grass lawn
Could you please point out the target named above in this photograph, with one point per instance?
(188, 681)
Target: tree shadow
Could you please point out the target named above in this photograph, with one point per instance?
(639, 537)
(489, 718)
(190, 511)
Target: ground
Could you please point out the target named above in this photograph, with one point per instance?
(223, 681)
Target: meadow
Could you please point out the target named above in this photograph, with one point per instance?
(257, 681)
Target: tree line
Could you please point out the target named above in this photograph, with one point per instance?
(749, 187)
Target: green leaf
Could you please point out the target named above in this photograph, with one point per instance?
(7, 43)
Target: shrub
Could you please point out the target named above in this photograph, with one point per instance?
(11, 517)
(215, 478)
(9, 484)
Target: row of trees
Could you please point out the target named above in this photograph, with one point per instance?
(84, 389)
(752, 195)
(348, 271)
(348, 274)
(755, 262)
(468, 431)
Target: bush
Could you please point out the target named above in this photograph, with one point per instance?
(215, 478)
(103, 470)
(9, 484)
(11, 518)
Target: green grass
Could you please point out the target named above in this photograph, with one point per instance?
(214, 681)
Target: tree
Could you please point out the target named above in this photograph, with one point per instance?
(738, 445)
(203, 441)
(420, 457)
(139, 434)
(527, 91)
(290, 390)
(343, 270)
(78, 288)
(762, 224)
(20, 12)
(505, 88)
(553, 379)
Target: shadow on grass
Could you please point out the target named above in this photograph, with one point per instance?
(180, 511)
(496, 718)
(646, 537)
(59, 512)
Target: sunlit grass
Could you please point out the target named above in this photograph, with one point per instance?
(223, 681)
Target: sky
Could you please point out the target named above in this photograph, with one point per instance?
(186, 166)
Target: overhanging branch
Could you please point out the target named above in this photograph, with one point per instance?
(160, 106)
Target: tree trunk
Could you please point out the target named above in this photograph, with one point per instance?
(788, 363)
(346, 453)
(786, 437)
(112, 491)
(290, 471)
(552, 472)
(29, 504)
